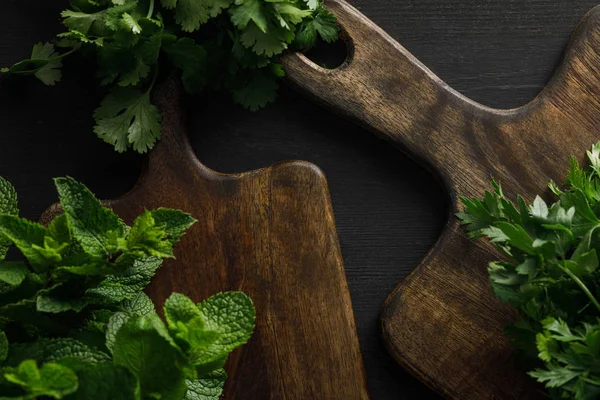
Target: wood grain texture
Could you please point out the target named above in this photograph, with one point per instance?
(271, 234)
(442, 321)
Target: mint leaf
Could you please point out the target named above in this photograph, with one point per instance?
(53, 380)
(126, 117)
(106, 382)
(8, 205)
(139, 305)
(12, 274)
(187, 325)
(209, 387)
(148, 238)
(3, 346)
(232, 316)
(115, 323)
(54, 350)
(96, 229)
(175, 222)
(30, 239)
(127, 285)
(143, 345)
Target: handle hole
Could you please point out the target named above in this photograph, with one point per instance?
(332, 55)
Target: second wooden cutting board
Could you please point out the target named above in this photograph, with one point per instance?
(442, 322)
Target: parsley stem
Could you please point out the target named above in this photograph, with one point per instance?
(582, 286)
(150, 9)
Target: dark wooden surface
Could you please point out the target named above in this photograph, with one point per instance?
(388, 210)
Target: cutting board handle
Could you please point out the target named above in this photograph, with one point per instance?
(174, 150)
(383, 87)
(387, 90)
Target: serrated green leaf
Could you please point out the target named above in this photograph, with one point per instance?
(262, 43)
(259, 90)
(12, 274)
(29, 237)
(127, 285)
(3, 347)
(554, 376)
(115, 323)
(187, 325)
(54, 350)
(106, 382)
(96, 229)
(139, 305)
(148, 238)
(245, 11)
(230, 314)
(143, 346)
(8, 205)
(191, 14)
(209, 387)
(53, 380)
(126, 117)
(190, 58)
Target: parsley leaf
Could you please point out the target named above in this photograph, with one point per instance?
(552, 275)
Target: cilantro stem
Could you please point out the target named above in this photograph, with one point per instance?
(150, 9)
(582, 287)
(33, 71)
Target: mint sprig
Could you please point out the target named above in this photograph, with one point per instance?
(76, 324)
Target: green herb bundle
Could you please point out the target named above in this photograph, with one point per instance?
(552, 277)
(236, 48)
(75, 323)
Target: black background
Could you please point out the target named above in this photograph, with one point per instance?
(389, 210)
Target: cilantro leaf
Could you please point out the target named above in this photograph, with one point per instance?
(258, 89)
(245, 11)
(44, 64)
(126, 117)
(190, 58)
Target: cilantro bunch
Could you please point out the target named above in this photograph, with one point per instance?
(215, 44)
(76, 324)
(550, 275)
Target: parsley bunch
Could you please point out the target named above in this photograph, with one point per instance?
(216, 44)
(76, 324)
(551, 276)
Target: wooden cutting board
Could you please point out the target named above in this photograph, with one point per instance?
(442, 322)
(271, 234)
